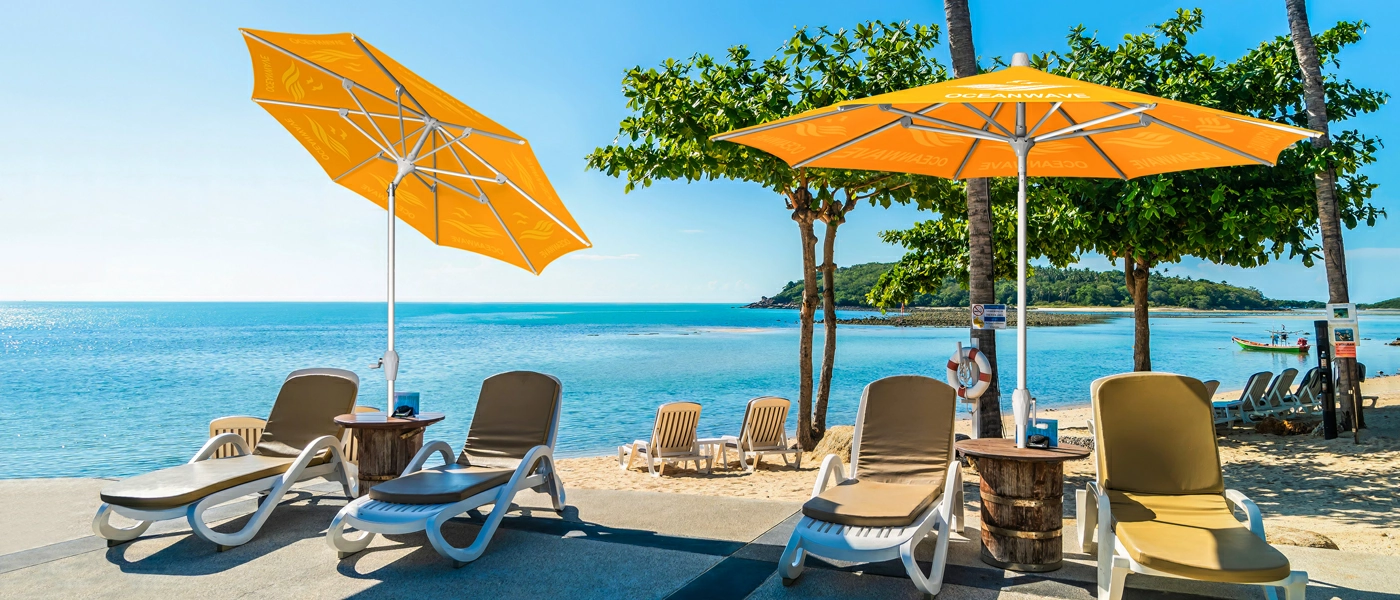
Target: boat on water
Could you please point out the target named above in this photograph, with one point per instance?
(1278, 342)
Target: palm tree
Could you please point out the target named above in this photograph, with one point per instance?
(1329, 221)
(981, 280)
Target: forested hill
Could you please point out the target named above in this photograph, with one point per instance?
(1049, 286)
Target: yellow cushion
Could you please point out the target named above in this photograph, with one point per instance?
(178, 486)
(865, 503)
(1194, 536)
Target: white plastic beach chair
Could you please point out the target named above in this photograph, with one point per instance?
(1277, 399)
(905, 482)
(509, 449)
(672, 441)
(1247, 407)
(1158, 504)
(764, 431)
(299, 442)
(1306, 399)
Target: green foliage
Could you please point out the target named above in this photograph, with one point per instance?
(1391, 303)
(677, 107)
(1243, 216)
(1051, 286)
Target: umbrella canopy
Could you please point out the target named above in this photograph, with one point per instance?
(1019, 122)
(387, 134)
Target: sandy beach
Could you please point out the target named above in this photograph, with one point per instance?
(1305, 485)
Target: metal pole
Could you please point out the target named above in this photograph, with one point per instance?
(391, 358)
(1021, 143)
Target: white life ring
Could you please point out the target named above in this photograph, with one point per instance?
(981, 372)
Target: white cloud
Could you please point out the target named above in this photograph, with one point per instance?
(577, 256)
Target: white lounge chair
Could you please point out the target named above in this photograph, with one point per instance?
(1307, 398)
(764, 431)
(672, 441)
(1158, 505)
(905, 482)
(1278, 399)
(509, 449)
(300, 441)
(1249, 403)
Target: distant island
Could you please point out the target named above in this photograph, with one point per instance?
(1052, 287)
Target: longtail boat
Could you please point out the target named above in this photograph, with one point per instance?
(1278, 342)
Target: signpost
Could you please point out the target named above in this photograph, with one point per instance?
(1324, 372)
(1344, 333)
(989, 316)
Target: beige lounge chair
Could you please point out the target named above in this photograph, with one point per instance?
(509, 449)
(251, 428)
(672, 441)
(1248, 406)
(1278, 399)
(300, 441)
(764, 431)
(1158, 505)
(1307, 398)
(905, 482)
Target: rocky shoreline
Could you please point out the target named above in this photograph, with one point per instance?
(945, 317)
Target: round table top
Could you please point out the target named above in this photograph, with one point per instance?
(1005, 449)
(422, 420)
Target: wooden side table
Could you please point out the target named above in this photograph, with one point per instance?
(385, 446)
(1022, 502)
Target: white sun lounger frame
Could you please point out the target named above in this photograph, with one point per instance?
(1114, 564)
(876, 544)
(271, 489)
(536, 471)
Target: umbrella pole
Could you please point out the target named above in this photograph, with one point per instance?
(391, 358)
(1021, 398)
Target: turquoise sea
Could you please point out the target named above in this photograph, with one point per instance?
(112, 389)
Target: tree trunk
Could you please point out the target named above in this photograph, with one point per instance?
(828, 268)
(805, 217)
(1328, 218)
(981, 278)
(1136, 273)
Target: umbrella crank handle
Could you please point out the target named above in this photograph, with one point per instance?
(378, 364)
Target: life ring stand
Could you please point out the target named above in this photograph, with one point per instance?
(981, 372)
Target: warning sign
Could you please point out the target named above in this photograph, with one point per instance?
(1344, 349)
(989, 316)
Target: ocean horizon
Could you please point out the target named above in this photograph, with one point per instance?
(112, 389)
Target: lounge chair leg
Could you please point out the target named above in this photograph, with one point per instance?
(791, 563)
(462, 556)
(1087, 520)
(102, 526)
(1113, 576)
(343, 545)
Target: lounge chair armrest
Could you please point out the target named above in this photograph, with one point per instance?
(309, 453)
(831, 465)
(952, 481)
(1105, 514)
(530, 461)
(218, 441)
(427, 451)
(1254, 520)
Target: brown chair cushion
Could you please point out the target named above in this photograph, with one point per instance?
(1155, 434)
(1193, 536)
(907, 433)
(178, 486)
(865, 503)
(515, 412)
(440, 485)
(306, 409)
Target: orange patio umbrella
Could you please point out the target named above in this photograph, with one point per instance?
(1019, 122)
(387, 134)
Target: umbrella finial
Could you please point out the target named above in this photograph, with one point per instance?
(1020, 59)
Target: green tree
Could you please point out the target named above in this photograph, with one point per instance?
(1242, 216)
(678, 106)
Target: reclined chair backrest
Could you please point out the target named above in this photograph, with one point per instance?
(765, 423)
(1155, 434)
(1211, 386)
(1252, 397)
(1274, 397)
(515, 412)
(306, 409)
(904, 431)
(1309, 387)
(674, 430)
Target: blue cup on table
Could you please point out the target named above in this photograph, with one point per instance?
(409, 399)
(1049, 428)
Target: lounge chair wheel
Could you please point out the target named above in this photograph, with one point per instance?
(788, 581)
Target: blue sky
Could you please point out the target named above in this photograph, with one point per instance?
(134, 166)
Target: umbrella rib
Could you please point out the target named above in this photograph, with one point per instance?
(1091, 122)
(320, 68)
(448, 143)
(988, 119)
(414, 118)
(375, 125)
(1095, 146)
(456, 174)
(453, 187)
(391, 77)
(973, 148)
(522, 192)
(857, 139)
(957, 127)
(382, 150)
(766, 126)
(1207, 140)
(337, 178)
(512, 236)
(1053, 109)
